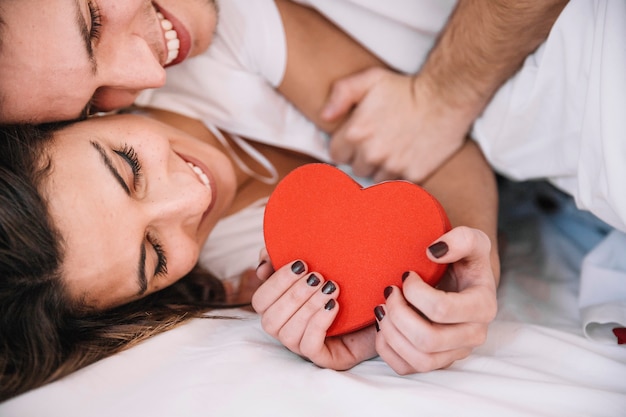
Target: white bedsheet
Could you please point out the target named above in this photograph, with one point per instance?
(536, 362)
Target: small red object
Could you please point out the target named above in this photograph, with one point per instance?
(620, 333)
(363, 239)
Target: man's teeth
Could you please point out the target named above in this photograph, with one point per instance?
(173, 44)
(201, 175)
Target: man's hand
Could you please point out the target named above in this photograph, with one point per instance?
(404, 126)
(398, 128)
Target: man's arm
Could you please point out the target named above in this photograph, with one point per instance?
(408, 125)
(482, 45)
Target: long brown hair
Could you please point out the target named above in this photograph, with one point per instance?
(43, 335)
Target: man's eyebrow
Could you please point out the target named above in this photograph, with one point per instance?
(104, 157)
(86, 35)
(141, 269)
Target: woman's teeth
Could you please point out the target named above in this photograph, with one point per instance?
(171, 37)
(201, 175)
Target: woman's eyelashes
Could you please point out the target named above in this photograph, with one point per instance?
(130, 156)
(96, 21)
(161, 265)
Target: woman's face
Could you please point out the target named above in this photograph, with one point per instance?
(59, 58)
(134, 200)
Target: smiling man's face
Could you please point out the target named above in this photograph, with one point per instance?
(60, 59)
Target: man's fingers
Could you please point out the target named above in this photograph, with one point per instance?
(346, 93)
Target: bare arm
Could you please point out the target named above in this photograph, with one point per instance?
(465, 185)
(482, 45)
(318, 53)
(453, 319)
(407, 125)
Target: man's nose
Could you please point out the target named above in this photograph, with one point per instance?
(125, 74)
(136, 69)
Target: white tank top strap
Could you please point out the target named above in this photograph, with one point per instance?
(272, 178)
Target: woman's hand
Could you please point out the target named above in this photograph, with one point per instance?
(424, 328)
(297, 307)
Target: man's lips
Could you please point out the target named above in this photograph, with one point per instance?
(183, 36)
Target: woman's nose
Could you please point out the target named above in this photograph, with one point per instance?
(180, 201)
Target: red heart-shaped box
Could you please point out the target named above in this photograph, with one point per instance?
(363, 239)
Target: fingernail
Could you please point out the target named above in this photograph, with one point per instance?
(329, 288)
(297, 267)
(377, 326)
(379, 312)
(330, 304)
(263, 262)
(387, 292)
(313, 281)
(405, 276)
(438, 249)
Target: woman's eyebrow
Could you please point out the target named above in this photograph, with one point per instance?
(86, 36)
(104, 157)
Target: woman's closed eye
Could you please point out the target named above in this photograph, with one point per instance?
(161, 264)
(128, 153)
(130, 156)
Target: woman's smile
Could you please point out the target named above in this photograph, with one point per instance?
(205, 177)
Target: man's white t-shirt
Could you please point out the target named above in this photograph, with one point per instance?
(562, 117)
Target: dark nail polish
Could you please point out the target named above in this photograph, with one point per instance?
(387, 292)
(297, 267)
(263, 262)
(330, 304)
(329, 288)
(405, 276)
(438, 249)
(313, 281)
(377, 326)
(379, 312)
